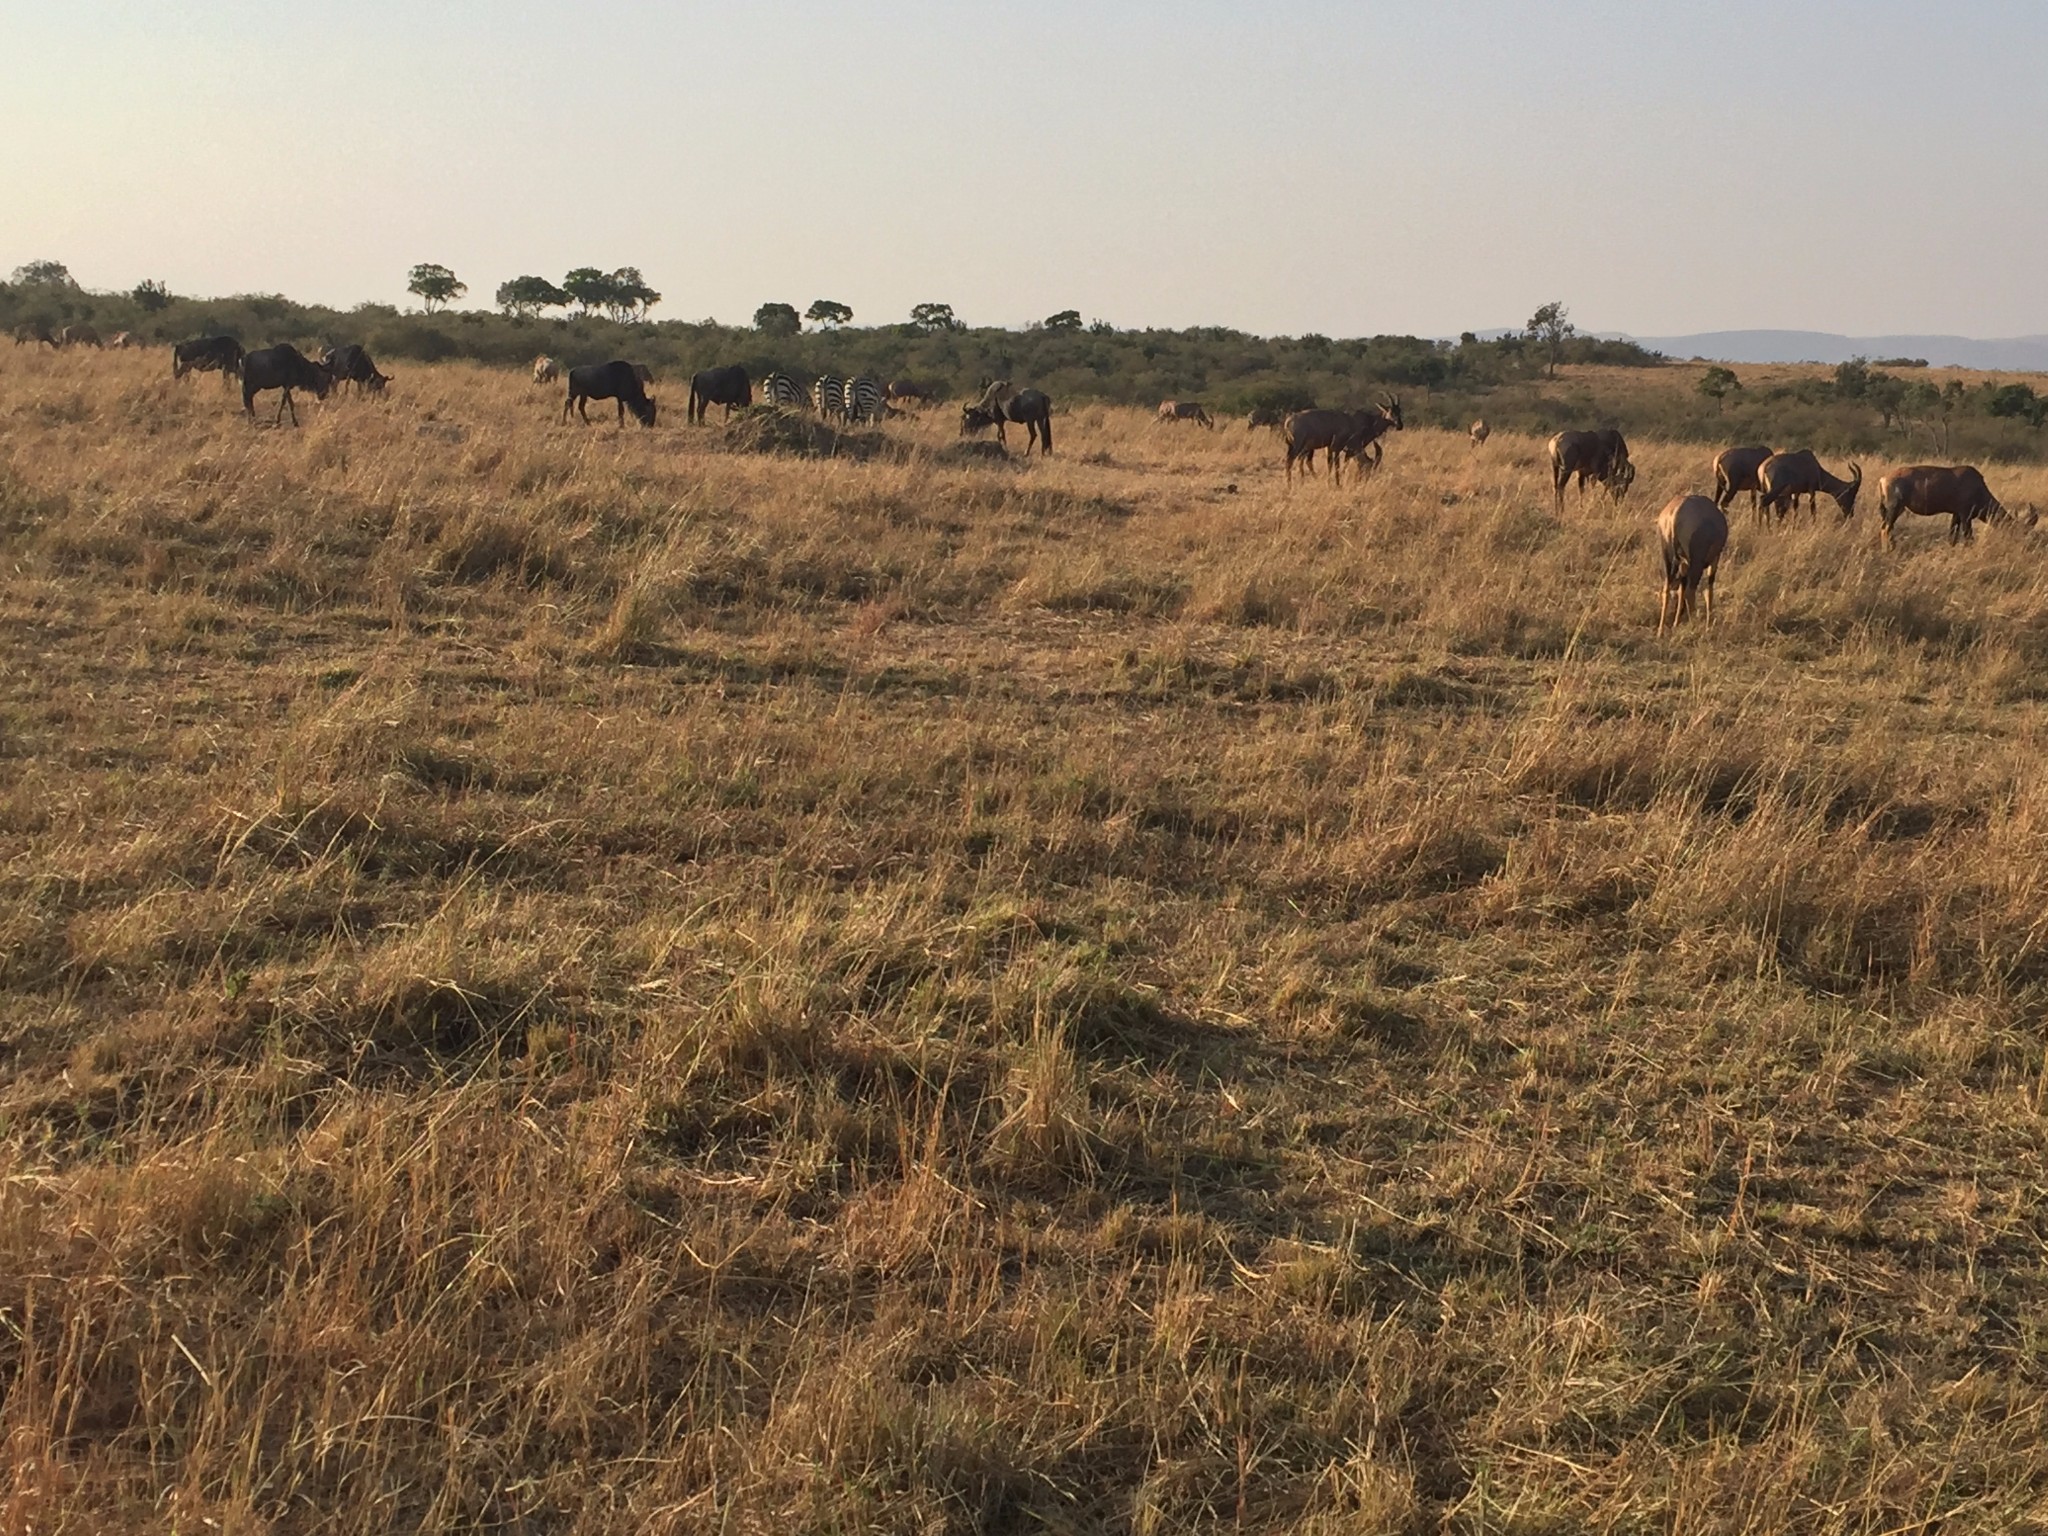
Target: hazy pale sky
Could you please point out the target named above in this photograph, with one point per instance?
(1427, 166)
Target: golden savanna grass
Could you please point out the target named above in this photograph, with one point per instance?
(556, 980)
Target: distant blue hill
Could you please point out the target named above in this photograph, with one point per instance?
(2027, 354)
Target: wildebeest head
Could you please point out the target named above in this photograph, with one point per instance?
(643, 410)
(975, 418)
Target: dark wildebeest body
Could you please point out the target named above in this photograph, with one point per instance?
(282, 367)
(1184, 410)
(615, 380)
(350, 364)
(1785, 477)
(908, 390)
(1735, 472)
(1601, 457)
(1267, 416)
(40, 335)
(78, 336)
(974, 419)
(207, 354)
(1694, 533)
(728, 386)
(1031, 409)
(1931, 490)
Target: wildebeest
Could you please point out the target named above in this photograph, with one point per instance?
(1265, 416)
(1032, 409)
(1184, 410)
(728, 386)
(78, 336)
(1695, 533)
(207, 354)
(350, 364)
(644, 374)
(39, 335)
(1735, 472)
(784, 393)
(1932, 490)
(616, 380)
(282, 367)
(545, 370)
(1337, 434)
(974, 419)
(1784, 477)
(909, 391)
(1480, 432)
(1601, 457)
(864, 400)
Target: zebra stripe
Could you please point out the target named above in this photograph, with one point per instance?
(829, 396)
(779, 389)
(863, 400)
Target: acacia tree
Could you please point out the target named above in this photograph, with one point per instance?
(150, 296)
(435, 284)
(934, 317)
(528, 296)
(630, 297)
(43, 274)
(1716, 383)
(1065, 320)
(1550, 327)
(590, 287)
(828, 312)
(778, 320)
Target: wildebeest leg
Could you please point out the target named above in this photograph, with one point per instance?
(248, 399)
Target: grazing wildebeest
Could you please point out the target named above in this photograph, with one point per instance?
(1266, 416)
(1957, 491)
(1785, 477)
(728, 386)
(828, 396)
(973, 419)
(644, 374)
(40, 335)
(784, 393)
(207, 354)
(545, 370)
(864, 400)
(78, 336)
(1184, 410)
(282, 367)
(993, 393)
(910, 392)
(1735, 472)
(1337, 434)
(1480, 432)
(1694, 532)
(350, 364)
(615, 380)
(1601, 457)
(1033, 409)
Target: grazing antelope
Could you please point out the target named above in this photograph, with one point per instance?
(207, 354)
(1784, 477)
(283, 368)
(545, 370)
(727, 386)
(909, 392)
(1695, 533)
(1480, 432)
(1184, 410)
(617, 381)
(36, 335)
(78, 336)
(1735, 472)
(1601, 457)
(1338, 434)
(1929, 490)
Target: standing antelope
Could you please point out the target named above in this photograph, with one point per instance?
(1184, 410)
(1735, 472)
(1480, 433)
(1784, 477)
(1695, 533)
(1931, 490)
(1601, 457)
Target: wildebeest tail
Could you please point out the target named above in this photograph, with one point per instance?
(1045, 431)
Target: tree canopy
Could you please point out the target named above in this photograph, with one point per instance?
(435, 284)
(48, 274)
(934, 317)
(777, 320)
(1551, 328)
(829, 313)
(528, 296)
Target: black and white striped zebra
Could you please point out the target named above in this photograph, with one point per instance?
(863, 400)
(780, 390)
(828, 395)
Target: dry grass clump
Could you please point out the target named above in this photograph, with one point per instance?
(572, 980)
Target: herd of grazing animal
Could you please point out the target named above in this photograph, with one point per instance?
(1692, 529)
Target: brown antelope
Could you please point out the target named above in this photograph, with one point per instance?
(1735, 472)
(1785, 477)
(1480, 432)
(1338, 434)
(545, 370)
(1695, 533)
(1930, 490)
(1184, 410)
(1601, 457)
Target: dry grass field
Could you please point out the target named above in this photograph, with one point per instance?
(558, 980)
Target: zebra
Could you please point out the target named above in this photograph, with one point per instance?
(780, 390)
(863, 400)
(829, 396)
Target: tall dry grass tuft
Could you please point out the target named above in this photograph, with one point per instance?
(554, 979)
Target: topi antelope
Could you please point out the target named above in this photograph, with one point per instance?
(1929, 490)
(1735, 472)
(1694, 533)
(1785, 477)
